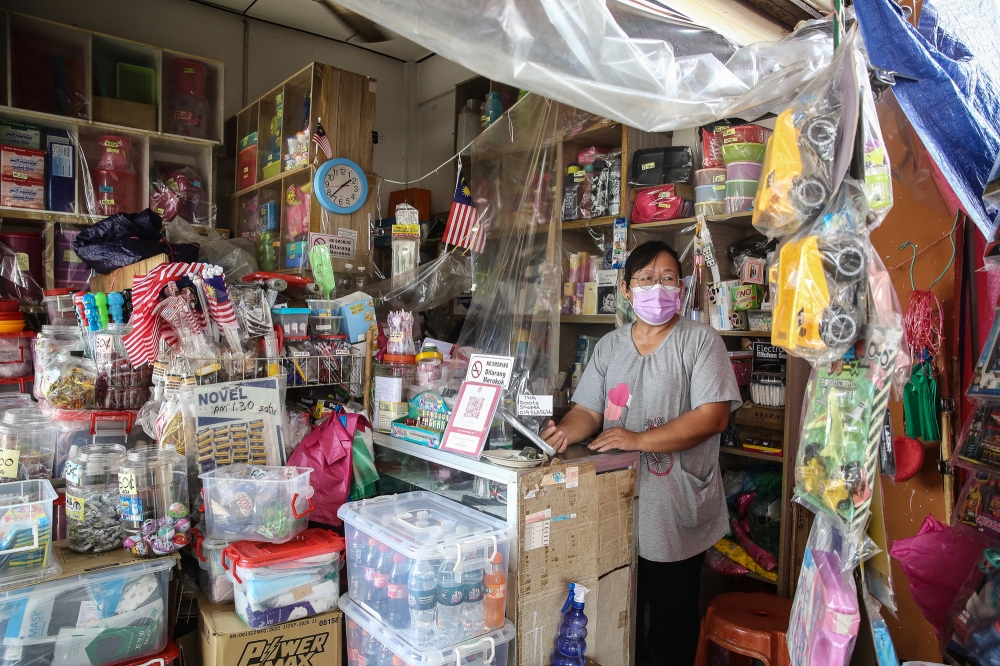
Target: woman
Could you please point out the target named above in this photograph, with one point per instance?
(663, 386)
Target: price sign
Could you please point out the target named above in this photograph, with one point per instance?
(126, 484)
(8, 463)
(74, 508)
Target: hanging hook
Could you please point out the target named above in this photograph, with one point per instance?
(913, 260)
(951, 237)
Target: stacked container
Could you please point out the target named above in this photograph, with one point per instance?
(212, 575)
(27, 444)
(256, 502)
(26, 532)
(743, 148)
(710, 191)
(426, 577)
(112, 178)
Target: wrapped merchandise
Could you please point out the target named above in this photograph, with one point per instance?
(256, 503)
(94, 619)
(972, 632)
(28, 444)
(153, 489)
(68, 382)
(177, 191)
(16, 353)
(211, 575)
(825, 616)
(735, 552)
(443, 545)
(26, 533)
(93, 516)
(48, 344)
(276, 583)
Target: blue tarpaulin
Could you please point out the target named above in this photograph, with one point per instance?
(955, 103)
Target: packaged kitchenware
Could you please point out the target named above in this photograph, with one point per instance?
(93, 516)
(367, 636)
(212, 575)
(657, 166)
(26, 532)
(275, 583)
(107, 617)
(256, 502)
(710, 176)
(656, 204)
(449, 550)
(27, 444)
(153, 490)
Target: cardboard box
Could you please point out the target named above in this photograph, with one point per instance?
(719, 299)
(607, 287)
(124, 276)
(22, 165)
(416, 197)
(60, 171)
(75, 564)
(615, 520)
(122, 112)
(750, 414)
(227, 641)
(611, 609)
(589, 298)
(22, 194)
(768, 358)
(22, 136)
(358, 312)
(747, 297)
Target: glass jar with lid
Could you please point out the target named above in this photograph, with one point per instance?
(153, 491)
(93, 515)
(28, 444)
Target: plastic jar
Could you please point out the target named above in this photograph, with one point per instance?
(153, 491)
(32, 434)
(93, 516)
(395, 373)
(48, 344)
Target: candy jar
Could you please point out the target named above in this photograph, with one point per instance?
(28, 443)
(153, 491)
(429, 362)
(93, 522)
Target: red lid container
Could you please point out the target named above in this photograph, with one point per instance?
(745, 134)
(311, 542)
(113, 152)
(189, 78)
(114, 192)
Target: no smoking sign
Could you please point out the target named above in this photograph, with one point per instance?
(490, 369)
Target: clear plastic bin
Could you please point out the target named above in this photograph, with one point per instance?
(324, 325)
(322, 308)
(153, 489)
(212, 575)
(94, 619)
(366, 636)
(276, 583)
(293, 321)
(16, 353)
(26, 533)
(28, 442)
(458, 544)
(92, 426)
(256, 502)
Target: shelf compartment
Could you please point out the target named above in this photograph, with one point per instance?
(50, 67)
(167, 162)
(191, 91)
(732, 450)
(116, 178)
(125, 83)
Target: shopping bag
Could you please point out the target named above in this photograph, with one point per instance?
(328, 451)
(365, 475)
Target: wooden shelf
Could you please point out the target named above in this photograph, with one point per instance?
(732, 450)
(587, 319)
(607, 221)
(739, 219)
(267, 181)
(745, 334)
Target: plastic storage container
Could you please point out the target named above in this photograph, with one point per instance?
(745, 134)
(716, 192)
(188, 109)
(324, 325)
(212, 575)
(28, 444)
(78, 428)
(48, 344)
(153, 489)
(739, 204)
(94, 619)
(59, 303)
(436, 535)
(16, 354)
(28, 247)
(322, 308)
(70, 271)
(710, 176)
(366, 636)
(742, 152)
(275, 583)
(743, 171)
(293, 321)
(710, 207)
(26, 539)
(741, 188)
(256, 502)
(93, 515)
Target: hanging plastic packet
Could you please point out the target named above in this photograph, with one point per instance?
(405, 243)
(973, 627)
(400, 324)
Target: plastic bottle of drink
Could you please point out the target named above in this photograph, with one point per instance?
(449, 601)
(385, 656)
(371, 560)
(495, 598)
(399, 606)
(370, 653)
(357, 550)
(383, 567)
(571, 644)
(355, 643)
(421, 596)
(472, 602)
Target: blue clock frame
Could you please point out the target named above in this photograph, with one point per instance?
(324, 200)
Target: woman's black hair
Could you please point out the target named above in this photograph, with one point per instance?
(645, 254)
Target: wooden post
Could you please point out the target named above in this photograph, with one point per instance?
(367, 387)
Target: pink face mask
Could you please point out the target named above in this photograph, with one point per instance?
(655, 305)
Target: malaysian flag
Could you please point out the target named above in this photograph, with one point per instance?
(463, 227)
(142, 343)
(322, 140)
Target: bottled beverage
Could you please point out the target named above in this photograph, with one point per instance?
(421, 592)
(356, 644)
(383, 567)
(494, 108)
(472, 602)
(449, 602)
(399, 607)
(361, 278)
(469, 124)
(356, 552)
(371, 561)
(495, 599)
(384, 656)
(571, 644)
(345, 281)
(370, 652)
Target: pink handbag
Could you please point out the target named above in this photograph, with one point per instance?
(656, 204)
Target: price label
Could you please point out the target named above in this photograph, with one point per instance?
(8, 463)
(126, 484)
(74, 508)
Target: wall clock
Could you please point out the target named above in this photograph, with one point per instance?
(340, 185)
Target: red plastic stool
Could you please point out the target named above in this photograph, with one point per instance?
(751, 626)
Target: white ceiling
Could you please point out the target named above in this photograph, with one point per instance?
(311, 16)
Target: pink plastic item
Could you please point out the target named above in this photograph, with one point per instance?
(764, 559)
(655, 204)
(825, 624)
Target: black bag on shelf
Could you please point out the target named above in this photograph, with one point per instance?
(659, 166)
(126, 238)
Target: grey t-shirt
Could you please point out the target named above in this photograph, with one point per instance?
(682, 505)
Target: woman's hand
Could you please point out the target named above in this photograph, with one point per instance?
(616, 439)
(554, 436)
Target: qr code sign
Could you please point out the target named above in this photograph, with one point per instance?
(474, 408)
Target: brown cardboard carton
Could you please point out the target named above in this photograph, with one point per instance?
(610, 609)
(122, 112)
(227, 641)
(616, 491)
(762, 417)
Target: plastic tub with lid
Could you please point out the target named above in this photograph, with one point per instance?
(93, 516)
(70, 271)
(211, 574)
(324, 325)
(742, 152)
(322, 307)
(26, 532)
(27, 444)
(100, 618)
(78, 428)
(716, 192)
(59, 303)
(741, 188)
(743, 171)
(16, 354)
(424, 528)
(28, 248)
(710, 176)
(710, 207)
(293, 321)
(256, 502)
(275, 583)
(739, 204)
(487, 649)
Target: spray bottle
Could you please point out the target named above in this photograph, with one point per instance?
(571, 645)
